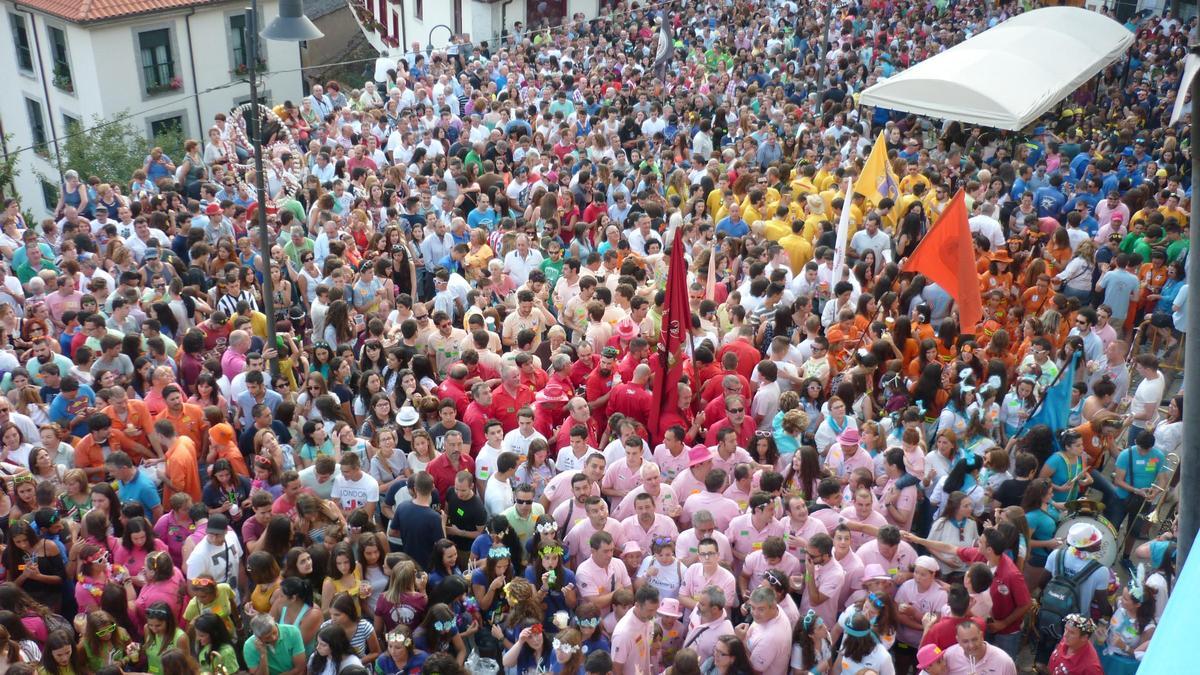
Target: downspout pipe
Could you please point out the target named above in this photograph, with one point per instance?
(37, 42)
(200, 125)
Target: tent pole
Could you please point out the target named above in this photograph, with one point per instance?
(1189, 498)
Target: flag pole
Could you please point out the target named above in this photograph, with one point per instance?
(1042, 401)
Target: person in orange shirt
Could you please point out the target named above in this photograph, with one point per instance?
(1034, 300)
(186, 418)
(222, 445)
(181, 472)
(133, 418)
(104, 439)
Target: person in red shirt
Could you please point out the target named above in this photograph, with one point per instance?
(1075, 653)
(942, 632)
(639, 349)
(578, 413)
(531, 375)
(600, 385)
(736, 419)
(743, 347)
(548, 409)
(1010, 596)
(632, 399)
(510, 397)
(455, 389)
(478, 412)
(714, 410)
(683, 416)
(717, 385)
(445, 467)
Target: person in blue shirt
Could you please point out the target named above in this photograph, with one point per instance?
(70, 409)
(1050, 199)
(1120, 287)
(547, 573)
(133, 485)
(1136, 469)
(733, 225)
(1021, 184)
(482, 215)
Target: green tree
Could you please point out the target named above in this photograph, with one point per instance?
(114, 149)
(8, 171)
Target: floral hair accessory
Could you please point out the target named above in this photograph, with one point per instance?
(444, 626)
(550, 549)
(499, 552)
(546, 528)
(565, 647)
(401, 639)
(1081, 623)
(589, 623)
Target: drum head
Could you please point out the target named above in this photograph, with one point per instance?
(1108, 536)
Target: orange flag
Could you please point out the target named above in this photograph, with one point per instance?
(946, 256)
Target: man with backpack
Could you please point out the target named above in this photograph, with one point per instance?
(1077, 580)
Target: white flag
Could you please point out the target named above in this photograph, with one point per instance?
(843, 232)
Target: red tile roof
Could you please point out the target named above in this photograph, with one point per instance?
(83, 11)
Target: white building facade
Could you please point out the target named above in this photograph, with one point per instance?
(164, 62)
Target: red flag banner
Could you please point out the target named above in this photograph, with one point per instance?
(946, 256)
(667, 364)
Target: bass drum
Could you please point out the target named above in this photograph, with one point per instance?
(1108, 536)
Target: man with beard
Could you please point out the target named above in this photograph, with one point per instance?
(600, 385)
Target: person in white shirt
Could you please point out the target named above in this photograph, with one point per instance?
(485, 461)
(498, 495)
(518, 439)
(218, 555)
(354, 489)
(986, 224)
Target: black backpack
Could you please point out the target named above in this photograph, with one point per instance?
(1061, 595)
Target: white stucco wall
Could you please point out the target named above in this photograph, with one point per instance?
(106, 67)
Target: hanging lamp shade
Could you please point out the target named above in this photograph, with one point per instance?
(291, 25)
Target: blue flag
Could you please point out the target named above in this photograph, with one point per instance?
(1056, 403)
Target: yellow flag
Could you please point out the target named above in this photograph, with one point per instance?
(877, 179)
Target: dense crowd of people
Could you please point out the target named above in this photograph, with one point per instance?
(449, 459)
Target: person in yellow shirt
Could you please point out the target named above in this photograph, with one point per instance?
(716, 198)
(827, 175)
(803, 184)
(815, 206)
(799, 249)
(778, 227)
(753, 206)
(912, 177)
(1171, 209)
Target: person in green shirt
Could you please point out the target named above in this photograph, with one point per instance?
(216, 647)
(162, 633)
(552, 267)
(1177, 246)
(35, 263)
(297, 244)
(274, 649)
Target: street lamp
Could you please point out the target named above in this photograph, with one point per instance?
(290, 26)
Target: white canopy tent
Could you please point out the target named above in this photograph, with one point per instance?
(1009, 75)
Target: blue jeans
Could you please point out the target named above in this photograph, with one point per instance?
(1009, 642)
(1114, 506)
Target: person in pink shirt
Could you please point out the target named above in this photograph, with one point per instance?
(721, 508)
(574, 510)
(665, 500)
(703, 527)
(915, 598)
(888, 551)
(973, 656)
(823, 579)
(708, 623)
(852, 565)
(580, 532)
(691, 481)
(727, 454)
(773, 556)
(623, 474)
(827, 508)
(862, 511)
(164, 582)
(559, 489)
(601, 575)
(898, 505)
(741, 487)
(846, 455)
(769, 638)
(671, 455)
(705, 574)
(646, 525)
(747, 532)
(799, 526)
(633, 635)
